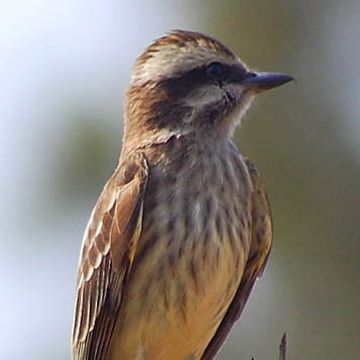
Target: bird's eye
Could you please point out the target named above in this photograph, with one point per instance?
(215, 70)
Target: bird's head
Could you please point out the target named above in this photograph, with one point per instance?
(187, 82)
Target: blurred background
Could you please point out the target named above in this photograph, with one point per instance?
(64, 67)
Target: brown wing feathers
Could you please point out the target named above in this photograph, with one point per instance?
(107, 254)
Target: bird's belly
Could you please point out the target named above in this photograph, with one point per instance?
(187, 268)
(173, 307)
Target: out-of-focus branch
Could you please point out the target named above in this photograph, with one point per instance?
(282, 348)
(282, 355)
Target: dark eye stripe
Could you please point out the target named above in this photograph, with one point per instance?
(182, 84)
(237, 73)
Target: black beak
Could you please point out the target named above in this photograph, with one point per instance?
(261, 81)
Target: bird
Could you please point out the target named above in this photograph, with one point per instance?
(183, 227)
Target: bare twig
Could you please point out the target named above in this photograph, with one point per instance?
(283, 348)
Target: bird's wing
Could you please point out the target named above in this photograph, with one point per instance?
(107, 254)
(261, 240)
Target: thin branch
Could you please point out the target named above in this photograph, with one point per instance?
(283, 348)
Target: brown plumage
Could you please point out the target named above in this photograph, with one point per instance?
(183, 228)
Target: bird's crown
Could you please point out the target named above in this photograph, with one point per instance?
(176, 52)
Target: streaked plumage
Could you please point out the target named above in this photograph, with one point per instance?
(183, 228)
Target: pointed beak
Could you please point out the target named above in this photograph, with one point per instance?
(261, 81)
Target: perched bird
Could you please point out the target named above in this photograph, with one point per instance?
(183, 227)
